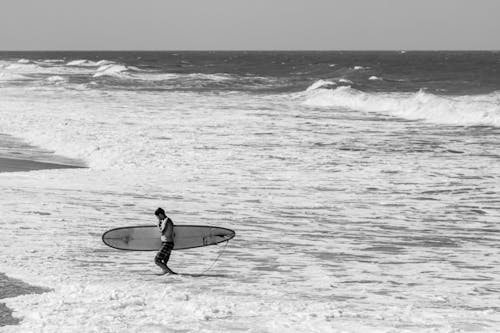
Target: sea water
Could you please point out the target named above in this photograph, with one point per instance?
(363, 188)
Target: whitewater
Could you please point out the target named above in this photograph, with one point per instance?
(365, 197)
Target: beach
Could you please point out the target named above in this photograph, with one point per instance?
(15, 165)
(363, 188)
(10, 146)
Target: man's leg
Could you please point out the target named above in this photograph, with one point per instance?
(168, 250)
(163, 256)
(160, 264)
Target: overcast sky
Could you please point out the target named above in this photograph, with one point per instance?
(249, 24)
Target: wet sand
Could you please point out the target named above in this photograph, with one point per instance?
(10, 146)
(19, 156)
(12, 288)
(17, 165)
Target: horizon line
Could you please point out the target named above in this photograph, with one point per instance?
(253, 50)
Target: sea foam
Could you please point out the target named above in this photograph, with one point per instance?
(453, 110)
(321, 84)
(56, 79)
(11, 77)
(111, 70)
(81, 62)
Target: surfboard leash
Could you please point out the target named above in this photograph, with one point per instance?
(216, 259)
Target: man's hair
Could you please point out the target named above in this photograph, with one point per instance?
(159, 211)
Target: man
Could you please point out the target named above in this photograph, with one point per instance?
(166, 227)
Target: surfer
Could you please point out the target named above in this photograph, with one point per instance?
(166, 227)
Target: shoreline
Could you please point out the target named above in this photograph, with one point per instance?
(18, 156)
(10, 149)
(23, 165)
(10, 287)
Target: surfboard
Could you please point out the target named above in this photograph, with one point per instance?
(147, 238)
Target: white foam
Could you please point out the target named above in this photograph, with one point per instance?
(23, 61)
(24, 67)
(346, 81)
(82, 62)
(194, 79)
(321, 84)
(56, 79)
(375, 78)
(103, 62)
(52, 61)
(5, 76)
(111, 70)
(204, 156)
(92, 133)
(457, 110)
(39, 67)
(211, 77)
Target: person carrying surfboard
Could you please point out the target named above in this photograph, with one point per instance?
(166, 227)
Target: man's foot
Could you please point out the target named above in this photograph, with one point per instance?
(169, 271)
(166, 270)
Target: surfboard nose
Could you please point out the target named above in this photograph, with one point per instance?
(218, 237)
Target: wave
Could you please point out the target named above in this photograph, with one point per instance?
(56, 79)
(184, 81)
(104, 62)
(112, 69)
(88, 63)
(156, 76)
(52, 61)
(211, 77)
(359, 68)
(455, 110)
(321, 84)
(35, 70)
(12, 77)
(81, 62)
(329, 84)
(95, 72)
(346, 81)
(23, 67)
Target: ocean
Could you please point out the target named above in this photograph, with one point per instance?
(363, 188)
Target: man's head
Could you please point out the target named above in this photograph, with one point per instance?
(160, 213)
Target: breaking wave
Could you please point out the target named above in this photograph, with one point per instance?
(102, 73)
(4, 76)
(455, 110)
(111, 70)
(88, 63)
(322, 84)
(330, 84)
(56, 79)
(23, 67)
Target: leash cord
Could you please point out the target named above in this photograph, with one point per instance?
(216, 259)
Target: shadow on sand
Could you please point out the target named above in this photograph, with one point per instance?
(204, 275)
(195, 275)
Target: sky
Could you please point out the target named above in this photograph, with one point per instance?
(249, 25)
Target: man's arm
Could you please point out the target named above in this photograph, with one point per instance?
(163, 224)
